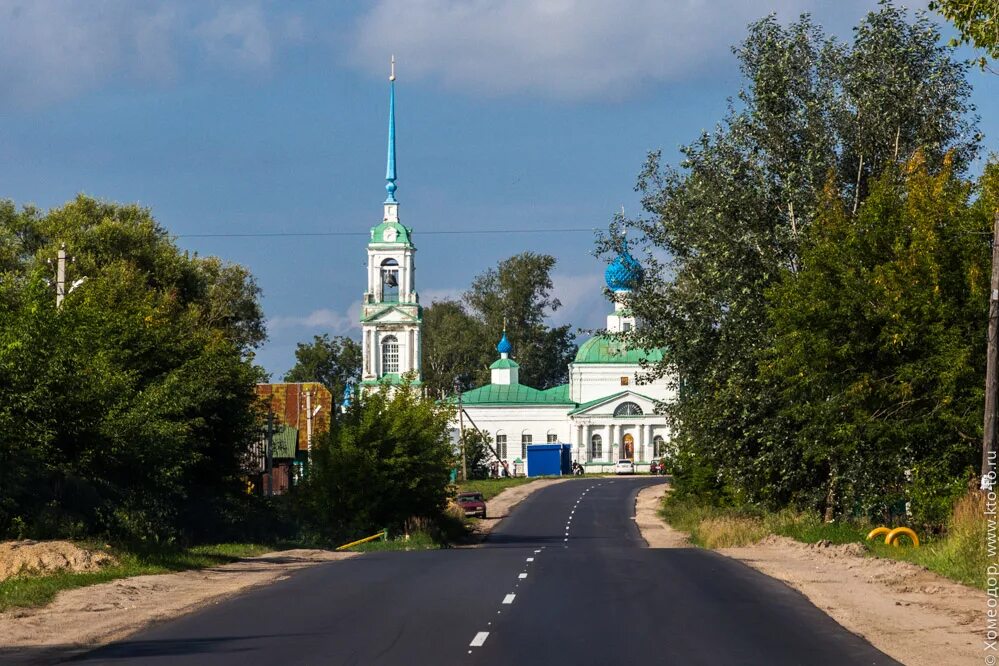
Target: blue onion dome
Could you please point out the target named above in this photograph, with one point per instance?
(504, 345)
(624, 273)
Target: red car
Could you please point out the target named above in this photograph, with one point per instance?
(472, 504)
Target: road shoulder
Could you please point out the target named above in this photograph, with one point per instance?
(84, 618)
(910, 613)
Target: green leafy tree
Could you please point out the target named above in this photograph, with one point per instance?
(477, 453)
(518, 293)
(728, 224)
(126, 412)
(453, 347)
(386, 463)
(880, 344)
(333, 362)
(460, 337)
(977, 20)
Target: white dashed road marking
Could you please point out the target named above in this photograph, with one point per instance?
(479, 639)
(508, 599)
(523, 575)
(530, 559)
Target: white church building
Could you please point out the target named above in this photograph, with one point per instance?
(602, 412)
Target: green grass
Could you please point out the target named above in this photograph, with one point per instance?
(958, 555)
(490, 488)
(416, 541)
(37, 590)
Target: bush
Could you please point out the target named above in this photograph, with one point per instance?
(385, 463)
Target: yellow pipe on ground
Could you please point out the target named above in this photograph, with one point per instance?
(877, 531)
(360, 541)
(893, 536)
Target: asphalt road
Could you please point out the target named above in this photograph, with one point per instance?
(566, 579)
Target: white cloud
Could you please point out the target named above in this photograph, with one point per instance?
(324, 319)
(567, 48)
(583, 301)
(52, 50)
(238, 36)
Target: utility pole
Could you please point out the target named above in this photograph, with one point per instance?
(61, 275)
(269, 454)
(991, 369)
(61, 260)
(310, 414)
(461, 432)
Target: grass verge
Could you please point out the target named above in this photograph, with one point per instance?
(959, 554)
(37, 590)
(490, 488)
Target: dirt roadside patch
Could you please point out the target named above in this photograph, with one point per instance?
(500, 506)
(654, 529)
(83, 618)
(914, 615)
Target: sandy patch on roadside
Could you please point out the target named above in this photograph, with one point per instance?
(654, 529)
(500, 506)
(911, 614)
(86, 617)
(45, 557)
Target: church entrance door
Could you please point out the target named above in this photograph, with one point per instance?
(628, 450)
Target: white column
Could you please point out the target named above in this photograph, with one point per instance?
(647, 434)
(611, 440)
(404, 279)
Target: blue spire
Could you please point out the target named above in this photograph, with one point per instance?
(390, 186)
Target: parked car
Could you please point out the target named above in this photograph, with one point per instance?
(624, 466)
(472, 504)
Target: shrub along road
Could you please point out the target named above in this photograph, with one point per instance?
(566, 578)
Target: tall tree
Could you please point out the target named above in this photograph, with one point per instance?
(879, 345)
(454, 345)
(333, 362)
(731, 220)
(977, 20)
(128, 410)
(518, 292)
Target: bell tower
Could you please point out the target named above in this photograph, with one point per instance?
(391, 316)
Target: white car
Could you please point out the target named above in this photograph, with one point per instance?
(624, 467)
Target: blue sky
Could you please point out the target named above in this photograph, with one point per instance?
(244, 117)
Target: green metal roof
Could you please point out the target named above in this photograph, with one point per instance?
(284, 442)
(503, 364)
(516, 394)
(609, 349)
(391, 378)
(402, 234)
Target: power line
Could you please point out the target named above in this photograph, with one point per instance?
(291, 234)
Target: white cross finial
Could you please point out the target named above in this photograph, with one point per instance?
(392, 69)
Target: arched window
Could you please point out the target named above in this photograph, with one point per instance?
(628, 409)
(390, 354)
(658, 446)
(390, 281)
(501, 444)
(596, 447)
(525, 439)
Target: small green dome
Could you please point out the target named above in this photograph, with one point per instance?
(391, 232)
(608, 349)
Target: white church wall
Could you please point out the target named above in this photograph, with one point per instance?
(589, 381)
(514, 421)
